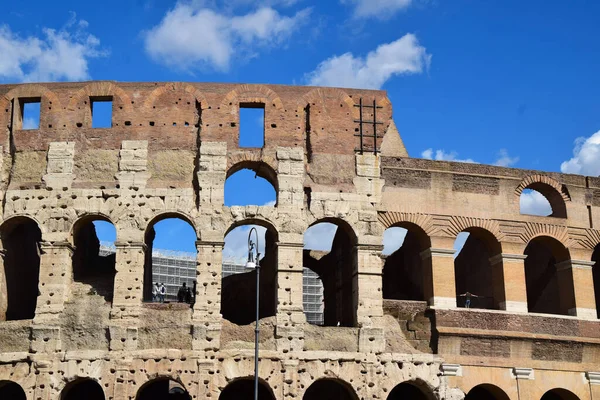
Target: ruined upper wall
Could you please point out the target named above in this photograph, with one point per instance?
(176, 117)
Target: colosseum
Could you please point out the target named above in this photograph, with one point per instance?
(401, 326)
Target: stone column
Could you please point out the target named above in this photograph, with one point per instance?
(127, 295)
(207, 308)
(439, 283)
(576, 289)
(508, 279)
(370, 298)
(290, 311)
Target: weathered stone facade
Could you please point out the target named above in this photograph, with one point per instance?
(168, 153)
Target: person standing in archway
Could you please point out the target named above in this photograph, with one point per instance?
(162, 292)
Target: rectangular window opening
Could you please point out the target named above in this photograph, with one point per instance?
(30, 117)
(252, 125)
(101, 112)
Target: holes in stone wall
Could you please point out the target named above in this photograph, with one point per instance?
(238, 288)
(20, 240)
(30, 113)
(330, 253)
(252, 125)
(101, 108)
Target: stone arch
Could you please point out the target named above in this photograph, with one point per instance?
(238, 285)
(559, 394)
(252, 94)
(556, 193)
(163, 387)
(11, 390)
(243, 388)
(317, 94)
(90, 267)
(20, 237)
(83, 388)
(486, 391)
(403, 270)
(548, 277)
(176, 86)
(337, 270)
(254, 161)
(86, 217)
(393, 218)
(260, 168)
(149, 236)
(330, 388)
(460, 224)
(101, 89)
(414, 390)
(479, 280)
(533, 230)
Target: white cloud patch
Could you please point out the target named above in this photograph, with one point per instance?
(236, 243)
(441, 155)
(57, 55)
(381, 9)
(191, 37)
(534, 203)
(30, 123)
(402, 57)
(505, 160)
(320, 236)
(586, 157)
(393, 238)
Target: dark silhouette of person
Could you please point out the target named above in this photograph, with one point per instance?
(181, 293)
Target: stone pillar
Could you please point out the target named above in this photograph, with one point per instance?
(56, 276)
(207, 308)
(44, 369)
(212, 171)
(290, 311)
(127, 297)
(439, 283)
(576, 289)
(508, 279)
(122, 379)
(59, 170)
(370, 298)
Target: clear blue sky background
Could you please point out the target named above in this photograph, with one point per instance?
(507, 82)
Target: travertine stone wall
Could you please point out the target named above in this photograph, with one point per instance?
(168, 153)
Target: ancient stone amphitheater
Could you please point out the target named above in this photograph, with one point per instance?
(75, 326)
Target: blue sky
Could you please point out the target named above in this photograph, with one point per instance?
(506, 82)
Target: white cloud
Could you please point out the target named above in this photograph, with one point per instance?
(270, 203)
(504, 160)
(401, 57)
(319, 236)
(56, 55)
(586, 157)
(30, 123)
(236, 242)
(441, 155)
(393, 238)
(534, 203)
(190, 37)
(382, 9)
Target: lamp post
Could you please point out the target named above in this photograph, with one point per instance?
(253, 247)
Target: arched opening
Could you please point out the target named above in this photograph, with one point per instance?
(170, 263)
(546, 293)
(330, 252)
(559, 394)
(479, 284)
(596, 277)
(243, 389)
(407, 390)
(82, 389)
(251, 183)
(543, 200)
(486, 392)
(161, 389)
(11, 390)
(21, 273)
(238, 288)
(94, 255)
(403, 266)
(329, 389)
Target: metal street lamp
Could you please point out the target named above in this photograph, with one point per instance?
(252, 264)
